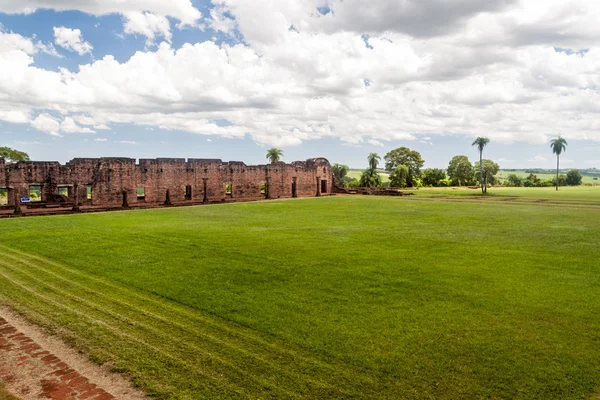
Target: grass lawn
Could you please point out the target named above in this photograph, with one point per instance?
(339, 297)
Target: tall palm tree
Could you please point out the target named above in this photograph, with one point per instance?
(558, 145)
(481, 142)
(373, 160)
(274, 155)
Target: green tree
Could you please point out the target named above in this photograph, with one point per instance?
(274, 155)
(370, 178)
(461, 171)
(574, 178)
(562, 181)
(514, 180)
(405, 156)
(558, 145)
(373, 160)
(12, 155)
(481, 142)
(433, 176)
(349, 182)
(532, 181)
(399, 176)
(339, 172)
(489, 169)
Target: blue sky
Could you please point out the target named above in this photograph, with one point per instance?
(229, 79)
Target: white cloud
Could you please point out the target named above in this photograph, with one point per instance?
(68, 125)
(101, 140)
(46, 123)
(375, 142)
(127, 142)
(149, 25)
(182, 10)
(397, 72)
(72, 40)
(220, 22)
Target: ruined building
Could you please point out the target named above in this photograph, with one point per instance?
(117, 182)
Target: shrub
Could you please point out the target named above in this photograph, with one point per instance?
(574, 178)
(514, 180)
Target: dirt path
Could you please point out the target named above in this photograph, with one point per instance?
(34, 365)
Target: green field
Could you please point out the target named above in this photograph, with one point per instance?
(356, 173)
(438, 295)
(502, 174)
(570, 195)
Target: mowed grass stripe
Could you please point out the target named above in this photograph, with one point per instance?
(212, 365)
(164, 366)
(130, 315)
(271, 352)
(193, 315)
(186, 342)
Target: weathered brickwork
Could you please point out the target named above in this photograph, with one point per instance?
(122, 181)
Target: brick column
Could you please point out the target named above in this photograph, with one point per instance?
(268, 188)
(75, 197)
(318, 186)
(18, 210)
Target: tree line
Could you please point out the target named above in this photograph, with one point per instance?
(404, 167)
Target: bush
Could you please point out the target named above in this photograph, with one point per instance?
(444, 182)
(562, 180)
(514, 180)
(574, 178)
(433, 176)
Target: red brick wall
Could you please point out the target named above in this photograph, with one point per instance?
(110, 177)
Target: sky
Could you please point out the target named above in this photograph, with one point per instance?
(317, 78)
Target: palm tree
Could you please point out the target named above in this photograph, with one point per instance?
(373, 160)
(274, 155)
(481, 142)
(558, 145)
(339, 171)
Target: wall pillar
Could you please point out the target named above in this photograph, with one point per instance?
(268, 188)
(75, 197)
(18, 210)
(205, 181)
(318, 186)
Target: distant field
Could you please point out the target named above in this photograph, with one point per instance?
(502, 174)
(569, 194)
(356, 173)
(439, 295)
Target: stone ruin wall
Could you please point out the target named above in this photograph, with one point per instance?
(110, 178)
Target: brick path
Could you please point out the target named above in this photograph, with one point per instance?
(55, 378)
